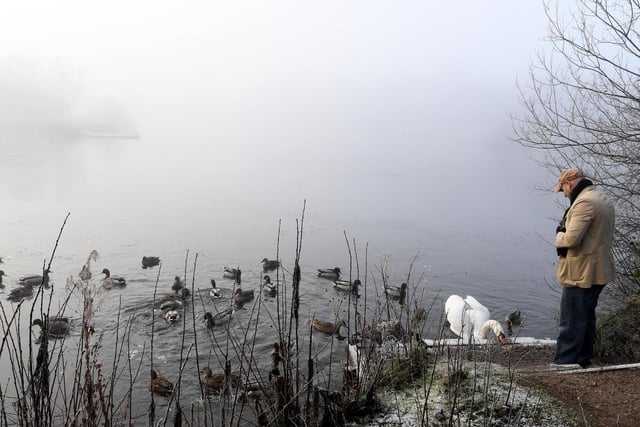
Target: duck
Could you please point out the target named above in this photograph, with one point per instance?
(269, 264)
(215, 292)
(347, 285)
(55, 327)
(215, 381)
(396, 292)
(470, 320)
(170, 302)
(21, 292)
(35, 279)
(150, 261)
(231, 273)
(109, 282)
(172, 316)
(240, 297)
(85, 272)
(329, 273)
(328, 328)
(177, 284)
(269, 288)
(159, 384)
(1, 275)
(219, 318)
(513, 319)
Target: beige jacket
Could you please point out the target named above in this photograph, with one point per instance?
(590, 226)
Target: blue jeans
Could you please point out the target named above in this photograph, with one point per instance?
(577, 329)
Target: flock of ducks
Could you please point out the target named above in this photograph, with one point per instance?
(214, 382)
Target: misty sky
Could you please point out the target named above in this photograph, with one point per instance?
(287, 66)
(364, 87)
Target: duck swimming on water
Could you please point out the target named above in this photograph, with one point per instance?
(35, 279)
(150, 261)
(159, 384)
(21, 292)
(346, 285)
(329, 273)
(513, 319)
(269, 288)
(109, 282)
(219, 318)
(55, 327)
(240, 297)
(85, 272)
(269, 264)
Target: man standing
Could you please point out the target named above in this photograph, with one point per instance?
(584, 242)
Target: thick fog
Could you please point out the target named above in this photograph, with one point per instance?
(406, 104)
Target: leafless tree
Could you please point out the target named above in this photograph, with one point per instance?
(582, 107)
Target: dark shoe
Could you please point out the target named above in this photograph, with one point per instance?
(585, 364)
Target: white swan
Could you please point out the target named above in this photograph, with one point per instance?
(470, 320)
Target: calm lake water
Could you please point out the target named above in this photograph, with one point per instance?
(467, 216)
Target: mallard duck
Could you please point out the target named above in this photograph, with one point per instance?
(170, 302)
(513, 319)
(56, 327)
(240, 297)
(21, 292)
(328, 328)
(269, 264)
(219, 318)
(35, 279)
(231, 273)
(214, 382)
(214, 292)
(269, 288)
(110, 282)
(150, 261)
(177, 284)
(329, 273)
(346, 285)
(159, 384)
(471, 320)
(396, 292)
(85, 272)
(172, 316)
(1, 274)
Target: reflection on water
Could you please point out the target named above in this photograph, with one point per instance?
(130, 199)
